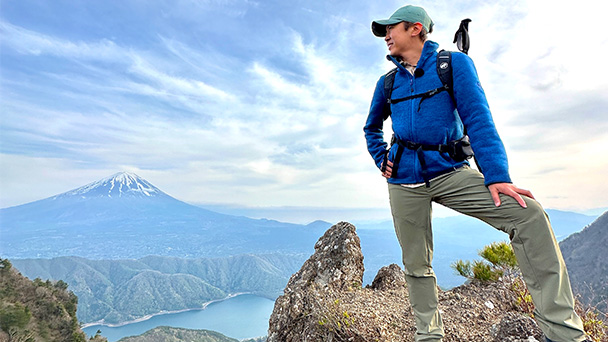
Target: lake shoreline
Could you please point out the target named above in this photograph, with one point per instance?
(147, 317)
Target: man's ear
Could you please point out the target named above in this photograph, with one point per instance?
(416, 29)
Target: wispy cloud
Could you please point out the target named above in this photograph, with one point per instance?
(271, 98)
(35, 43)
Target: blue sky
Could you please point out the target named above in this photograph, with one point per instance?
(262, 103)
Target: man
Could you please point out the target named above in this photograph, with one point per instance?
(419, 171)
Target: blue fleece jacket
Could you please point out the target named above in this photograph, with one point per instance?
(437, 120)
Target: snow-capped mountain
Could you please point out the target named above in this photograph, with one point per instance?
(122, 184)
(125, 216)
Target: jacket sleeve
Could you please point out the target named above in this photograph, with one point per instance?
(373, 127)
(475, 114)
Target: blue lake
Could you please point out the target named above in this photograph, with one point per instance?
(239, 317)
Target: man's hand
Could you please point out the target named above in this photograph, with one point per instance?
(509, 190)
(389, 169)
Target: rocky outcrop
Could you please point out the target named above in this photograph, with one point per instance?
(325, 301)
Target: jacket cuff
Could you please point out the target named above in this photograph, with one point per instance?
(497, 179)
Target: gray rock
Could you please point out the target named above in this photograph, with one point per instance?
(516, 327)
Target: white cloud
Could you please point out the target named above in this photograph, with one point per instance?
(34, 43)
(191, 92)
(27, 178)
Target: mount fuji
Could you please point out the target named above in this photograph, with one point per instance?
(122, 184)
(125, 216)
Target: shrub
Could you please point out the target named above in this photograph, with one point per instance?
(499, 254)
(485, 272)
(523, 298)
(15, 315)
(5, 265)
(499, 260)
(463, 268)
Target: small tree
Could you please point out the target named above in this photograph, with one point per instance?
(500, 254)
(61, 285)
(499, 260)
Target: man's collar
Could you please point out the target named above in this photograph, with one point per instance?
(427, 50)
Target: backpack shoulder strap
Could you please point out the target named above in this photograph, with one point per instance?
(389, 80)
(444, 70)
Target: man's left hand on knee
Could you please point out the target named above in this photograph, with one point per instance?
(508, 189)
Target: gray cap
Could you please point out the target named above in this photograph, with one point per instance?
(412, 14)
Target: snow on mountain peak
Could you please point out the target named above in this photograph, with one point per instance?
(122, 184)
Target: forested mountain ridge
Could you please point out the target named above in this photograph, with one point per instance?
(115, 291)
(37, 310)
(171, 334)
(585, 255)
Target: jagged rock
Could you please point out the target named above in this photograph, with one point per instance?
(301, 313)
(389, 278)
(325, 301)
(337, 262)
(515, 327)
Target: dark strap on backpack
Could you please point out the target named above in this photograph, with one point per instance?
(444, 71)
(419, 148)
(389, 80)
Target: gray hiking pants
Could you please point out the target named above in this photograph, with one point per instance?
(535, 246)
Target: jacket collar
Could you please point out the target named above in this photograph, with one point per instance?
(429, 48)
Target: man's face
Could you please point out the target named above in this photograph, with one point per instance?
(398, 39)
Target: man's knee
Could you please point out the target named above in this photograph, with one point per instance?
(418, 270)
(534, 213)
(531, 222)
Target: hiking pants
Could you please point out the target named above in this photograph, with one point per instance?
(534, 244)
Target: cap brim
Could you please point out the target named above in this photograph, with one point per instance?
(379, 26)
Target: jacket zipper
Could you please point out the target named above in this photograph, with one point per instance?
(412, 124)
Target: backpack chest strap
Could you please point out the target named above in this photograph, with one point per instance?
(423, 96)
